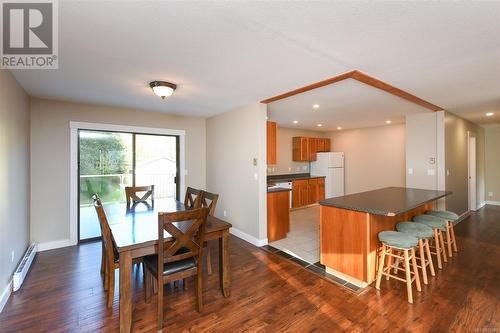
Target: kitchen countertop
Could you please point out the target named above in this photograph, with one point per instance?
(278, 189)
(389, 201)
(290, 177)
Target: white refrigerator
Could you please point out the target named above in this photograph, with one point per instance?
(330, 165)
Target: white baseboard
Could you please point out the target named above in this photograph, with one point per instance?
(246, 237)
(54, 245)
(5, 295)
(494, 203)
(481, 205)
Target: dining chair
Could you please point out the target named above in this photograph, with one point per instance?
(109, 257)
(133, 198)
(209, 200)
(177, 259)
(192, 198)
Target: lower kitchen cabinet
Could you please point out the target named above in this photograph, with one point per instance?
(278, 215)
(307, 191)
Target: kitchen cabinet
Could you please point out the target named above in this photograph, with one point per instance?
(307, 191)
(305, 148)
(272, 132)
(278, 215)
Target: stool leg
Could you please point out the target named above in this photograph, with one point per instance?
(452, 228)
(438, 248)
(415, 269)
(448, 239)
(408, 276)
(380, 267)
(443, 249)
(422, 260)
(429, 257)
(389, 262)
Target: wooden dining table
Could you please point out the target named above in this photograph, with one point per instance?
(135, 233)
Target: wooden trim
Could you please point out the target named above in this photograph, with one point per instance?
(364, 78)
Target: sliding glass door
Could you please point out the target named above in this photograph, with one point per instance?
(110, 161)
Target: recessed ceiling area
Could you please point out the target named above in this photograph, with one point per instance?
(348, 104)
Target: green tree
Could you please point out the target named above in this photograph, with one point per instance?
(103, 154)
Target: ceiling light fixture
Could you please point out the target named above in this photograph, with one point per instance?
(162, 88)
(489, 114)
(316, 106)
(339, 128)
(319, 125)
(295, 121)
(387, 121)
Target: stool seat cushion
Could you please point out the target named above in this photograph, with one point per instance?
(419, 230)
(397, 239)
(431, 221)
(444, 214)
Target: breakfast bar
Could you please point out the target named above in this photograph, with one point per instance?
(349, 226)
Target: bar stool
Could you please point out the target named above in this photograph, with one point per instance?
(404, 244)
(423, 233)
(438, 225)
(450, 218)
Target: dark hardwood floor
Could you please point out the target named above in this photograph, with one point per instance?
(63, 293)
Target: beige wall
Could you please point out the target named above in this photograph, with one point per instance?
(50, 156)
(284, 144)
(492, 162)
(456, 163)
(234, 139)
(14, 176)
(374, 157)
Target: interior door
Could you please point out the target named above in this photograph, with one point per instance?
(472, 172)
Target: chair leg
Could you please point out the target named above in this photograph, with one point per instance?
(408, 276)
(199, 290)
(438, 248)
(185, 283)
(381, 267)
(448, 239)
(111, 287)
(159, 282)
(209, 260)
(389, 262)
(429, 257)
(148, 288)
(443, 248)
(422, 260)
(415, 270)
(452, 228)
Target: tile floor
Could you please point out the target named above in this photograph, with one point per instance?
(303, 239)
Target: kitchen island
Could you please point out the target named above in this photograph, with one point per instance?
(349, 226)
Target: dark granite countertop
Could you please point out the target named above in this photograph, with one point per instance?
(387, 201)
(278, 189)
(290, 177)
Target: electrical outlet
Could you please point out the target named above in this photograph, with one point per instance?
(490, 194)
(12, 256)
(447, 172)
(225, 214)
(289, 168)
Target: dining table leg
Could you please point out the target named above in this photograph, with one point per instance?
(125, 292)
(224, 266)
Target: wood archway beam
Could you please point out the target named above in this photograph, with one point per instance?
(361, 77)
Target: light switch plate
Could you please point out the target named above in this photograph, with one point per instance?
(410, 171)
(431, 172)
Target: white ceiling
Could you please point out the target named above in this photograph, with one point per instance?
(227, 54)
(348, 104)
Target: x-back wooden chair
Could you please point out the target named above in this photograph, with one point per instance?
(209, 200)
(133, 199)
(192, 198)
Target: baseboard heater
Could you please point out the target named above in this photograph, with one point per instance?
(23, 268)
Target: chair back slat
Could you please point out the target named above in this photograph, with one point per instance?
(133, 199)
(187, 228)
(209, 200)
(107, 237)
(192, 198)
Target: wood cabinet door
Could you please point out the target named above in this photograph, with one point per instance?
(300, 149)
(313, 148)
(300, 193)
(326, 145)
(312, 191)
(272, 131)
(321, 189)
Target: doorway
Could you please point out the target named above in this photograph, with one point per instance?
(472, 171)
(108, 161)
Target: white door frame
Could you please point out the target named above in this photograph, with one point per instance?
(75, 126)
(471, 171)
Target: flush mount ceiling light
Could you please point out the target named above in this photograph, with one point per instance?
(339, 128)
(295, 121)
(387, 121)
(316, 106)
(489, 114)
(320, 125)
(162, 88)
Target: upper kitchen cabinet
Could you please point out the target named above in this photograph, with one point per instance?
(305, 149)
(272, 132)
